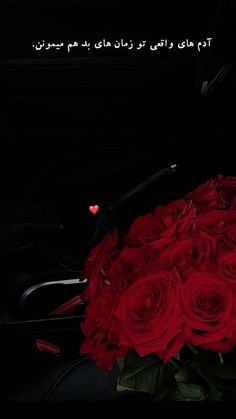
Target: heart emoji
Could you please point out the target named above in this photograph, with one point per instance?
(94, 209)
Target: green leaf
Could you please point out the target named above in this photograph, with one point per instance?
(162, 394)
(220, 376)
(214, 394)
(121, 363)
(199, 363)
(188, 392)
(230, 396)
(121, 387)
(187, 386)
(186, 375)
(177, 356)
(146, 374)
(221, 370)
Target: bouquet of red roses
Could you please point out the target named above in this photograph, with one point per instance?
(162, 299)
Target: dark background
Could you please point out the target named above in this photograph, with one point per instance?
(83, 129)
(51, 105)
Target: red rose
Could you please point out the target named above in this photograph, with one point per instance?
(162, 226)
(208, 196)
(130, 265)
(107, 358)
(219, 193)
(137, 235)
(228, 188)
(209, 311)
(229, 240)
(216, 223)
(102, 331)
(227, 266)
(97, 322)
(172, 281)
(150, 316)
(188, 253)
(98, 263)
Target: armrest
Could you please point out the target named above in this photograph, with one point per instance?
(38, 326)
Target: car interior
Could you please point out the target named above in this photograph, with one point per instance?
(119, 130)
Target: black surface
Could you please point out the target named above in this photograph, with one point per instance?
(85, 129)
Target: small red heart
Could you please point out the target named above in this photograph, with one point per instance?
(94, 209)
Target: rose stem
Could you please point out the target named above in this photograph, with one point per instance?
(175, 364)
(191, 348)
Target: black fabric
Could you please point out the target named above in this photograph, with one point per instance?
(77, 380)
(84, 130)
